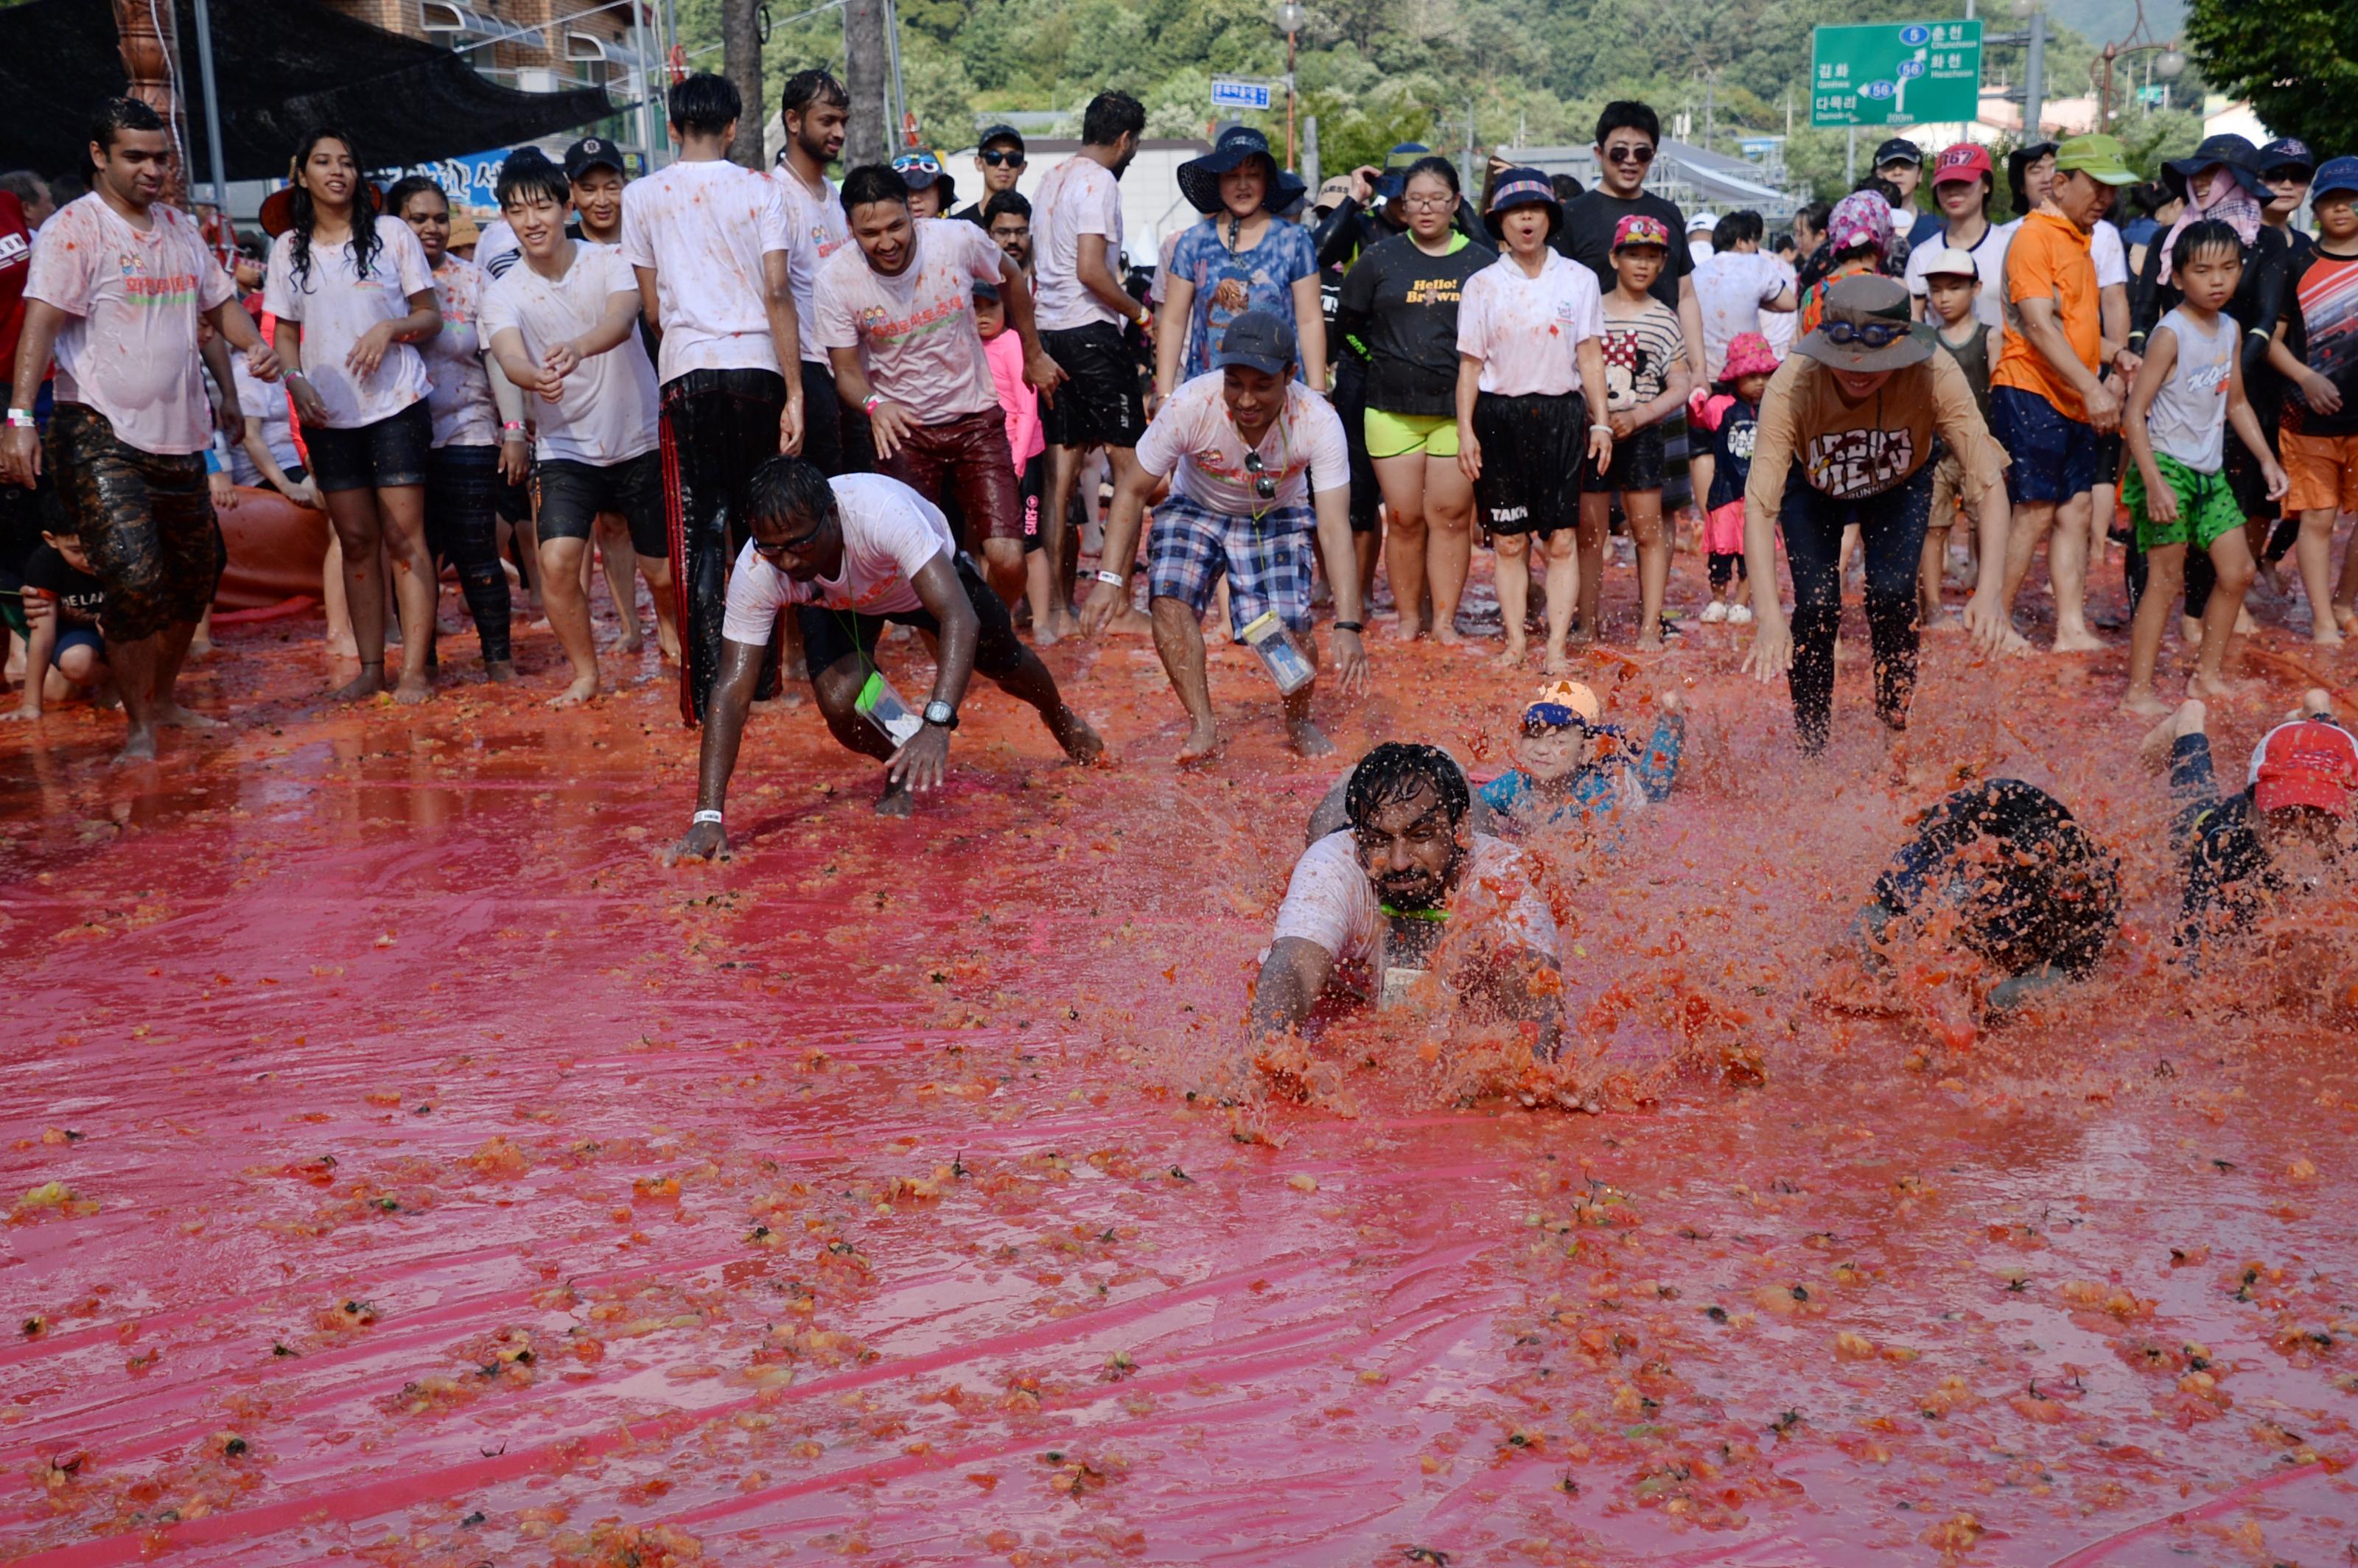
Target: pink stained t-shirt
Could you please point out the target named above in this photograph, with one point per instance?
(1526, 330)
(704, 227)
(461, 397)
(1330, 903)
(890, 533)
(1079, 195)
(915, 331)
(335, 305)
(1017, 401)
(129, 347)
(1195, 442)
(815, 230)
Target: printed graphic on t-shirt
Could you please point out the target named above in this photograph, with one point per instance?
(1849, 463)
(1741, 434)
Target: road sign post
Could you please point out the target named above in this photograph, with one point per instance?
(1239, 93)
(1895, 73)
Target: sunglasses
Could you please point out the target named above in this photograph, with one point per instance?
(1264, 484)
(1874, 334)
(997, 158)
(1629, 154)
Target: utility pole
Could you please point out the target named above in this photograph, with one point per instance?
(2034, 76)
(741, 56)
(220, 168)
(1310, 170)
(1850, 156)
(867, 61)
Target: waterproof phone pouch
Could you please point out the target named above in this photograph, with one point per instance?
(882, 705)
(1400, 984)
(1266, 635)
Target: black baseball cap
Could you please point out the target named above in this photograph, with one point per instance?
(1899, 149)
(592, 152)
(1001, 133)
(1257, 339)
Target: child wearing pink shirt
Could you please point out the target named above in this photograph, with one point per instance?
(1004, 352)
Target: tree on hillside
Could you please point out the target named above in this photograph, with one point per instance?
(2295, 59)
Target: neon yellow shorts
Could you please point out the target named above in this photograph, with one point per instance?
(1397, 435)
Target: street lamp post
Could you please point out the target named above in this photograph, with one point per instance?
(1289, 18)
(2169, 67)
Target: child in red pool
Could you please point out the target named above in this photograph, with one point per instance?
(1730, 415)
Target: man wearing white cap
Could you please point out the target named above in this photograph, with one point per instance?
(1700, 229)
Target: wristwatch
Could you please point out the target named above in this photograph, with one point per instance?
(941, 713)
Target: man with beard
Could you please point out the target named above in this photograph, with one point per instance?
(815, 108)
(1410, 890)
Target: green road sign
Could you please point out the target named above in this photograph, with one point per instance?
(1895, 73)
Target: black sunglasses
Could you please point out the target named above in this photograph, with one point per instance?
(999, 158)
(1629, 154)
(1263, 485)
(1874, 334)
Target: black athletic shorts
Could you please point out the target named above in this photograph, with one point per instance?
(1532, 450)
(1100, 401)
(1637, 464)
(1032, 492)
(383, 455)
(830, 636)
(572, 493)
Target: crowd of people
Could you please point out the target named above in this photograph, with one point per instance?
(761, 390)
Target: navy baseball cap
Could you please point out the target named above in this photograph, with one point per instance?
(2285, 152)
(2334, 174)
(1397, 162)
(592, 152)
(1257, 339)
(1899, 149)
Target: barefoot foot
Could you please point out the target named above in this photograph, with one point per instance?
(1072, 731)
(2211, 686)
(2186, 719)
(2142, 702)
(413, 690)
(139, 746)
(172, 716)
(2078, 640)
(583, 688)
(1512, 656)
(1203, 743)
(361, 686)
(1307, 740)
(1445, 633)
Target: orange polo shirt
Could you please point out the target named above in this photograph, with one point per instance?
(2049, 260)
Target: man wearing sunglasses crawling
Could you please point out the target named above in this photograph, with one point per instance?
(1257, 461)
(849, 554)
(1409, 896)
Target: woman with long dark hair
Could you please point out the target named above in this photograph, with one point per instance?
(478, 425)
(354, 293)
(1399, 305)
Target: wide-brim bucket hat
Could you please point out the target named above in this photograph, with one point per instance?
(1866, 327)
(1199, 178)
(2235, 153)
(1523, 187)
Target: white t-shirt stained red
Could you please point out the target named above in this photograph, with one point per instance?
(608, 411)
(915, 331)
(1079, 195)
(815, 230)
(461, 397)
(1733, 287)
(334, 305)
(1526, 329)
(890, 532)
(129, 347)
(1194, 434)
(704, 227)
(1330, 903)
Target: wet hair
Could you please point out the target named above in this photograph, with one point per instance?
(1004, 202)
(303, 218)
(1440, 167)
(1628, 114)
(706, 105)
(873, 182)
(805, 89)
(1566, 187)
(2150, 197)
(2203, 234)
(1110, 116)
(1395, 772)
(24, 186)
(396, 201)
(121, 115)
(529, 172)
(791, 490)
(1742, 226)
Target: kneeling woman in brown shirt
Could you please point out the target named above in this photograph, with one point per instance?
(1846, 438)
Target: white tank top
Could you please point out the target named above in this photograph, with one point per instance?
(2189, 416)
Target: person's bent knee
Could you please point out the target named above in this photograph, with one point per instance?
(1562, 545)
(836, 687)
(1511, 546)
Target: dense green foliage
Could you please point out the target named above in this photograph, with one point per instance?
(1378, 72)
(2295, 59)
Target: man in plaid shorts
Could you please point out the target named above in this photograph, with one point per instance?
(1254, 458)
